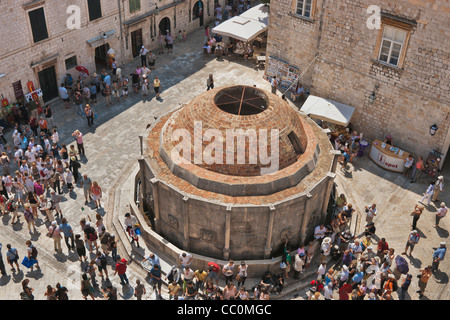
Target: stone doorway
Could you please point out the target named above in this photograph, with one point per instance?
(198, 12)
(164, 26)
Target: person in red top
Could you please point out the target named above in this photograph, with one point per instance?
(383, 248)
(121, 269)
(214, 271)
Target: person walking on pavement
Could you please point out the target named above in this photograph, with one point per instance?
(438, 188)
(86, 183)
(55, 234)
(442, 211)
(429, 193)
(2, 265)
(67, 231)
(418, 210)
(86, 287)
(143, 52)
(121, 270)
(32, 254)
(438, 256)
(210, 82)
(404, 286)
(12, 256)
(371, 212)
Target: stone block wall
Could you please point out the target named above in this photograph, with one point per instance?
(408, 100)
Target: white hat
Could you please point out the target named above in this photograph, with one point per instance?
(54, 223)
(391, 276)
(369, 248)
(327, 240)
(414, 231)
(440, 177)
(88, 223)
(443, 244)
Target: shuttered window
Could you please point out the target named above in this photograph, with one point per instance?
(38, 25)
(95, 9)
(135, 5)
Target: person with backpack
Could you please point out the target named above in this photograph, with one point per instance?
(12, 256)
(102, 262)
(110, 293)
(32, 254)
(46, 208)
(81, 249)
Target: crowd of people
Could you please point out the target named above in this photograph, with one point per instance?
(367, 267)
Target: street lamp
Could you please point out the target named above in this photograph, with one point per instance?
(156, 9)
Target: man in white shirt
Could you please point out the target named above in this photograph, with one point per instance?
(185, 260)
(319, 232)
(143, 53)
(18, 155)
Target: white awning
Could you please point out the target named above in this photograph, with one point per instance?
(246, 26)
(328, 110)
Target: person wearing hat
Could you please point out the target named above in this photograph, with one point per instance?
(46, 208)
(413, 239)
(325, 249)
(404, 287)
(438, 256)
(438, 188)
(442, 211)
(143, 52)
(55, 233)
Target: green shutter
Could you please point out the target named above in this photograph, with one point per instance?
(135, 5)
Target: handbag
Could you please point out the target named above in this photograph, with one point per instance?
(283, 265)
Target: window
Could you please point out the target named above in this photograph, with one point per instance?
(393, 40)
(391, 45)
(304, 8)
(38, 25)
(71, 62)
(95, 9)
(135, 5)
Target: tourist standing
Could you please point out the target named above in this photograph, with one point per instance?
(429, 193)
(139, 290)
(423, 280)
(121, 270)
(442, 211)
(416, 215)
(413, 239)
(67, 231)
(438, 188)
(438, 256)
(143, 52)
(157, 87)
(210, 82)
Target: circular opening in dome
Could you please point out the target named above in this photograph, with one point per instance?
(241, 100)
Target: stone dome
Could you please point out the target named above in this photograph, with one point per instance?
(241, 135)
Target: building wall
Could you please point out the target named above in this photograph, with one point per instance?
(409, 99)
(18, 51)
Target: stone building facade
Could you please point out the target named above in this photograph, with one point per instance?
(40, 41)
(393, 67)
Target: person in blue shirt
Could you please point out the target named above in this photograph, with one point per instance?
(155, 274)
(404, 287)
(66, 229)
(438, 256)
(153, 259)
